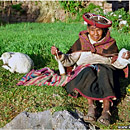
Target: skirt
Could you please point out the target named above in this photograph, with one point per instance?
(97, 84)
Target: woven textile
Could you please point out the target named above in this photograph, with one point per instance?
(47, 76)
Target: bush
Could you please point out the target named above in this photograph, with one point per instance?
(117, 16)
(71, 6)
(17, 7)
(76, 9)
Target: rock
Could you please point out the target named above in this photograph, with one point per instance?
(65, 120)
(45, 120)
(26, 120)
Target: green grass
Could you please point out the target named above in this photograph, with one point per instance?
(36, 39)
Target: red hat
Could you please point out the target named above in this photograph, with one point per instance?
(97, 20)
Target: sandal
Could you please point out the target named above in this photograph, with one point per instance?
(90, 117)
(105, 118)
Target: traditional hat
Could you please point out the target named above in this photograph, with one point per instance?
(97, 20)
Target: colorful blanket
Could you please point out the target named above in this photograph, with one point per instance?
(47, 76)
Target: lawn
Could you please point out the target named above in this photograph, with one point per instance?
(36, 39)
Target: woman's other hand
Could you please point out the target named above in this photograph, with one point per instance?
(54, 50)
(126, 55)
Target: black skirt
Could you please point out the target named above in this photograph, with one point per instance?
(96, 84)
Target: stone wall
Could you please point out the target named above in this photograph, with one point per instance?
(51, 11)
(106, 6)
(19, 11)
(38, 11)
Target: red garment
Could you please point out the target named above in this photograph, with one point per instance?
(106, 47)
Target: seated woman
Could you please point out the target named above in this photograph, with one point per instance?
(97, 81)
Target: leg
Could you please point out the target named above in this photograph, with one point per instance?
(8, 68)
(105, 117)
(106, 105)
(90, 102)
(91, 112)
(107, 85)
(82, 83)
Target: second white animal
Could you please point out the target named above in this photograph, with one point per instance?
(16, 62)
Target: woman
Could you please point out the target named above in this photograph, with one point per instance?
(97, 81)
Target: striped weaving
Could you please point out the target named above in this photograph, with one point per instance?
(47, 76)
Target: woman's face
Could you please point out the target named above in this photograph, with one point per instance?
(95, 33)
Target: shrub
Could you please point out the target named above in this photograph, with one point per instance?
(117, 16)
(17, 7)
(71, 6)
(76, 9)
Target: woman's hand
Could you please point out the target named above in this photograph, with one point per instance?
(54, 50)
(126, 55)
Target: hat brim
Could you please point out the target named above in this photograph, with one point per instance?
(88, 18)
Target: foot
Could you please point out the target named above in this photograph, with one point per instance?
(90, 117)
(105, 118)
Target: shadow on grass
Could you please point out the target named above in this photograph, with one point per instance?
(40, 61)
(121, 94)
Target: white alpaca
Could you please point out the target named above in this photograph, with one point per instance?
(16, 62)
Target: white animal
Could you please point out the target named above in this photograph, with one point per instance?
(16, 62)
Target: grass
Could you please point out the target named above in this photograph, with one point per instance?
(36, 39)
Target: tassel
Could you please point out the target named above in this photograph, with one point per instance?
(60, 66)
